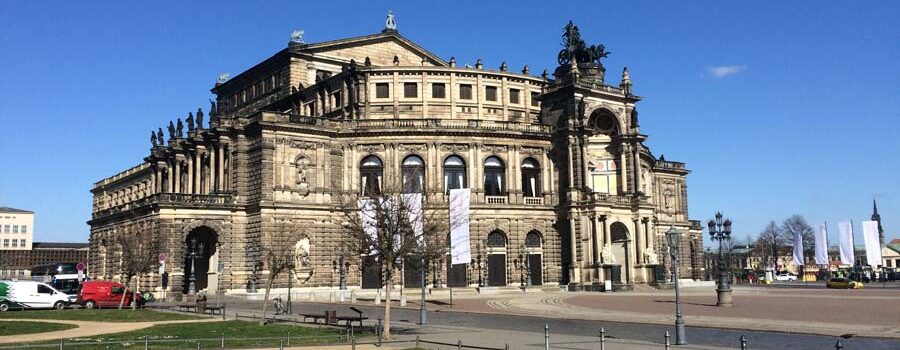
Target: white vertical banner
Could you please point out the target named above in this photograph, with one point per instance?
(845, 233)
(367, 218)
(460, 247)
(798, 249)
(413, 203)
(821, 244)
(873, 245)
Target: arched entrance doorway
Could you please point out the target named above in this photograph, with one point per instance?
(534, 248)
(496, 244)
(200, 260)
(619, 238)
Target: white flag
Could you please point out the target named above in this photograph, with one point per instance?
(413, 202)
(821, 245)
(873, 246)
(460, 247)
(798, 249)
(846, 238)
(367, 219)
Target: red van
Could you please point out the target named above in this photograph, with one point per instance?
(103, 294)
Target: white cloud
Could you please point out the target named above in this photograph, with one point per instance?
(724, 71)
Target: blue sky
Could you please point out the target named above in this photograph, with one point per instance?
(779, 108)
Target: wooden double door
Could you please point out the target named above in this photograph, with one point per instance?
(497, 270)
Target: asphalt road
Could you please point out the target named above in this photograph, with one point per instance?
(633, 331)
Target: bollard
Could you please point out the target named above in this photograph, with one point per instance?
(458, 344)
(602, 338)
(281, 344)
(223, 341)
(146, 342)
(546, 336)
(289, 339)
(198, 345)
(838, 345)
(667, 340)
(352, 343)
(62, 344)
(743, 342)
(417, 342)
(378, 331)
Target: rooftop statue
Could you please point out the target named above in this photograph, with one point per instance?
(171, 130)
(190, 121)
(575, 48)
(213, 110)
(297, 37)
(179, 129)
(153, 138)
(199, 118)
(390, 24)
(160, 138)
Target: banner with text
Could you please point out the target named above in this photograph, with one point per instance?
(460, 247)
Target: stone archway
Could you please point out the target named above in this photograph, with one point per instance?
(620, 238)
(201, 266)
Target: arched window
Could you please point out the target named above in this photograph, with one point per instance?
(454, 173)
(370, 172)
(413, 174)
(494, 172)
(531, 178)
(533, 240)
(496, 239)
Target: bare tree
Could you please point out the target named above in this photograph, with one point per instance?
(768, 243)
(794, 225)
(278, 253)
(139, 253)
(390, 226)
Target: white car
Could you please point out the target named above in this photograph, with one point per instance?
(31, 295)
(785, 277)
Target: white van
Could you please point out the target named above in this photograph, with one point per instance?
(32, 295)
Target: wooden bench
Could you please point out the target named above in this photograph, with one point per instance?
(314, 317)
(186, 307)
(348, 320)
(214, 310)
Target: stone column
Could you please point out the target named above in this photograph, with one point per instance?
(574, 270)
(220, 185)
(213, 151)
(584, 162)
(198, 169)
(636, 162)
(638, 242)
(624, 167)
(178, 184)
(189, 186)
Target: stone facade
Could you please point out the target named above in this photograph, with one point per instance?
(558, 162)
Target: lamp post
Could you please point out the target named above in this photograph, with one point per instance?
(291, 265)
(480, 265)
(674, 239)
(720, 230)
(423, 318)
(194, 251)
(342, 273)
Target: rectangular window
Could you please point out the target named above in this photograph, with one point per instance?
(5, 228)
(22, 243)
(15, 228)
(6, 243)
(382, 90)
(410, 90)
(465, 92)
(15, 242)
(438, 90)
(534, 99)
(490, 93)
(513, 95)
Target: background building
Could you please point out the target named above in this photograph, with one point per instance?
(557, 167)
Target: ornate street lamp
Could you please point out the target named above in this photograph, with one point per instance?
(291, 266)
(721, 231)
(674, 239)
(481, 264)
(194, 251)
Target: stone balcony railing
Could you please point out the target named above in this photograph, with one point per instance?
(664, 164)
(495, 199)
(187, 200)
(618, 200)
(412, 124)
(534, 200)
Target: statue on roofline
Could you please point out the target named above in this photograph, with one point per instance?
(179, 129)
(199, 118)
(153, 138)
(190, 121)
(171, 130)
(160, 138)
(213, 110)
(576, 49)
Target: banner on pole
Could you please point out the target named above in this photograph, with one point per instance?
(798, 249)
(845, 230)
(873, 245)
(413, 203)
(821, 244)
(367, 219)
(460, 247)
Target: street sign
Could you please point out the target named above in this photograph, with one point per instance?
(79, 267)
(163, 257)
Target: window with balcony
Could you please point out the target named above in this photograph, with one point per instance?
(465, 92)
(410, 90)
(494, 173)
(490, 93)
(371, 172)
(454, 173)
(413, 174)
(531, 178)
(382, 90)
(438, 90)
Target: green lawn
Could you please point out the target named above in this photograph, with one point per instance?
(179, 336)
(29, 327)
(96, 315)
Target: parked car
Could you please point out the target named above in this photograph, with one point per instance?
(785, 277)
(843, 283)
(94, 294)
(30, 295)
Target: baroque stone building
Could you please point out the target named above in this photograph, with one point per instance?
(558, 170)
